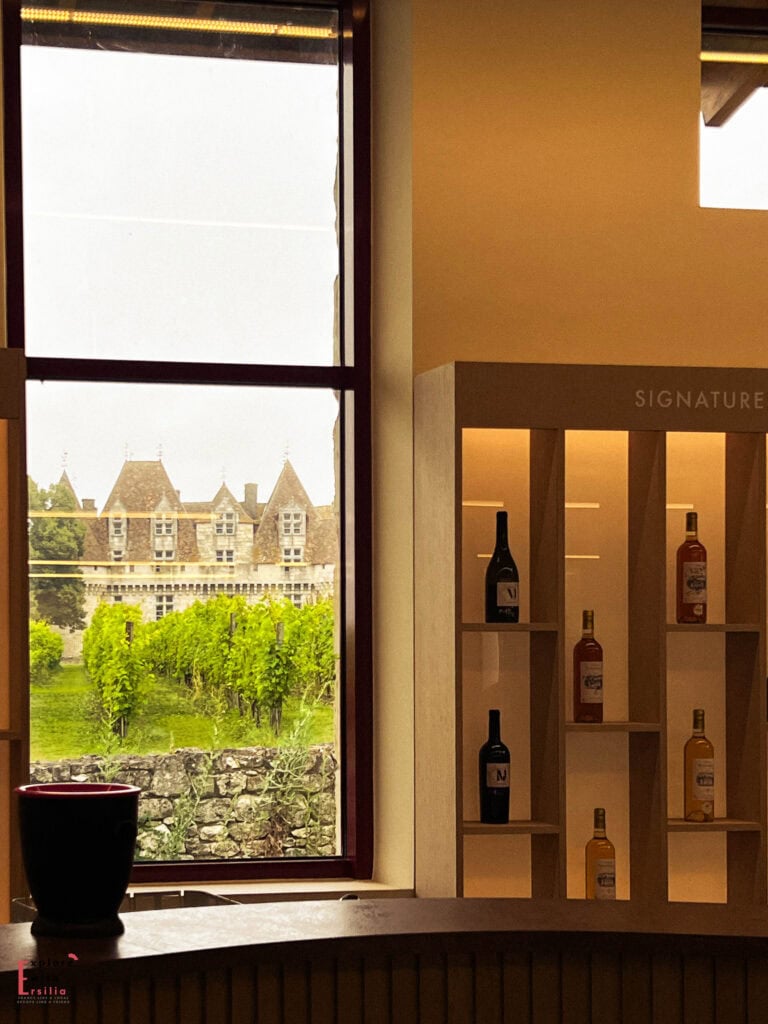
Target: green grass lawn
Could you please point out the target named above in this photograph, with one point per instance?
(65, 722)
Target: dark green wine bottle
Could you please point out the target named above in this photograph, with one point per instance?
(494, 774)
(502, 581)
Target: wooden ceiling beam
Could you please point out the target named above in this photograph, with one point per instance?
(725, 87)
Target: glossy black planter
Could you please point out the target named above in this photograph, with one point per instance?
(77, 841)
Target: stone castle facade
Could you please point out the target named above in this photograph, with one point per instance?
(149, 547)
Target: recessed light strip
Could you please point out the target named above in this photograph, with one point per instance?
(732, 57)
(166, 23)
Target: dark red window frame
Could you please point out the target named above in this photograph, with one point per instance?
(351, 379)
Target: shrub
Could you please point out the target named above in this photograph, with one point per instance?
(45, 649)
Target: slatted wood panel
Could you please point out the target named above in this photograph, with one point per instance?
(478, 986)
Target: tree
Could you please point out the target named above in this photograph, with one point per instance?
(45, 650)
(59, 595)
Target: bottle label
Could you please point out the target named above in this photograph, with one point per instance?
(605, 879)
(507, 594)
(591, 682)
(497, 775)
(694, 582)
(704, 781)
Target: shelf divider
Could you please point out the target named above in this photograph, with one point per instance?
(745, 697)
(547, 555)
(646, 648)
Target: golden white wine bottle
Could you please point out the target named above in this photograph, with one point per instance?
(600, 862)
(699, 774)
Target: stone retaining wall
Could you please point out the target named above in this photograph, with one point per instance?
(208, 805)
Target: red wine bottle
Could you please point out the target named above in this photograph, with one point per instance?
(494, 774)
(502, 581)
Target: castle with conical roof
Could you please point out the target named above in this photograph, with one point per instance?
(147, 546)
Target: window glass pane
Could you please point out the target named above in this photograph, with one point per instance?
(181, 207)
(199, 664)
(734, 158)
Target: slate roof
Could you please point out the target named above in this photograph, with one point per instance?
(146, 487)
(142, 486)
(289, 491)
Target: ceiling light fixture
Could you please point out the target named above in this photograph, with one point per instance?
(167, 23)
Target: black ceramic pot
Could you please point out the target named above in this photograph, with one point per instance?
(77, 842)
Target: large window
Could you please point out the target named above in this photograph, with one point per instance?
(195, 320)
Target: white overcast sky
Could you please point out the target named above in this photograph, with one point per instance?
(734, 158)
(182, 208)
(179, 208)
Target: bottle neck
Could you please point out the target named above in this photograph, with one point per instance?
(599, 829)
(691, 526)
(502, 540)
(587, 625)
(494, 726)
(698, 723)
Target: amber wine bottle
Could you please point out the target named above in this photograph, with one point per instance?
(699, 768)
(502, 581)
(587, 673)
(600, 862)
(691, 574)
(494, 774)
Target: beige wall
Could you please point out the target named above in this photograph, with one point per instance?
(555, 190)
(392, 444)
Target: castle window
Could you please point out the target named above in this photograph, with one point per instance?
(293, 523)
(164, 526)
(163, 605)
(225, 524)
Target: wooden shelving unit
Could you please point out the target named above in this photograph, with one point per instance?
(543, 403)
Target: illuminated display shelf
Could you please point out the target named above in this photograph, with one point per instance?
(513, 828)
(461, 662)
(718, 825)
(612, 726)
(510, 627)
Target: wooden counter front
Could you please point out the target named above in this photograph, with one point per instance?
(401, 960)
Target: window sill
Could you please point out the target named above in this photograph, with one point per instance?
(281, 891)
